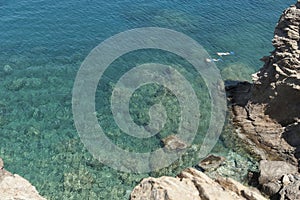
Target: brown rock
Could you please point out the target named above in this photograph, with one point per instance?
(211, 162)
(173, 143)
(283, 64)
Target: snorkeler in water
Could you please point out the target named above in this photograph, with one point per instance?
(225, 53)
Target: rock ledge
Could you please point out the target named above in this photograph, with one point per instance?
(14, 187)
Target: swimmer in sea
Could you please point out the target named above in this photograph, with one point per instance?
(213, 60)
(225, 53)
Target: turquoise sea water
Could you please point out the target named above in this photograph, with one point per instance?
(45, 42)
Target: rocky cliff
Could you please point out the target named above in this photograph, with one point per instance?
(267, 112)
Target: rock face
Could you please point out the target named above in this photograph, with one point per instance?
(192, 184)
(13, 187)
(278, 82)
(274, 170)
(267, 112)
(173, 143)
(279, 180)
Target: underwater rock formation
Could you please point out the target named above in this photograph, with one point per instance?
(267, 112)
(211, 162)
(7, 69)
(173, 143)
(13, 186)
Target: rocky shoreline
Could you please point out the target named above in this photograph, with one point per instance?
(266, 114)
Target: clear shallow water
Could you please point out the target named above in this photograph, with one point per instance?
(45, 42)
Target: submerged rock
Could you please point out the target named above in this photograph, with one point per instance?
(237, 72)
(290, 191)
(211, 162)
(173, 143)
(18, 84)
(7, 69)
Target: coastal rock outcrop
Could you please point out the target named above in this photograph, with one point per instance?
(13, 187)
(267, 112)
(267, 116)
(279, 180)
(193, 184)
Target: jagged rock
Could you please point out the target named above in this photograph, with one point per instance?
(165, 188)
(13, 187)
(285, 180)
(290, 191)
(192, 184)
(238, 188)
(173, 143)
(274, 170)
(268, 115)
(211, 162)
(288, 187)
(1, 164)
(279, 180)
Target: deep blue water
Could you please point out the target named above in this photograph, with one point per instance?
(45, 42)
(69, 28)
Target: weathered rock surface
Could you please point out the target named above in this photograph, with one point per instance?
(14, 187)
(211, 162)
(192, 184)
(279, 180)
(274, 170)
(173, 143)
(267, 112)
